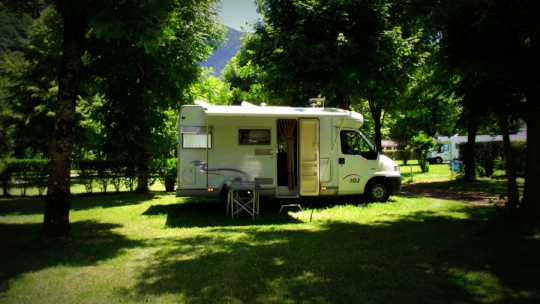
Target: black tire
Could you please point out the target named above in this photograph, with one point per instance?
(377, 190)
(224, 195)
(438, 160)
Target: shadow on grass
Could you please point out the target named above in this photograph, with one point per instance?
(36, 205)
(419, 258)
(490, 186)
(91, 242)
(213, 213)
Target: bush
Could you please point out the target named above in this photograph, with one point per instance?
(103, 173)
(5, 177)
(421, 144)
(165, 170)
(33, 173)
(519, 147)
(24, 172)
(490, 155)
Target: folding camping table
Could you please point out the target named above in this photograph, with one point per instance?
(243, 196)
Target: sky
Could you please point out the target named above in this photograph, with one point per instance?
(236, 13)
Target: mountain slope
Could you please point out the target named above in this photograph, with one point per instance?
(222, 56)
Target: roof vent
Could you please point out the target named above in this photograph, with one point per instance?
(317, 102)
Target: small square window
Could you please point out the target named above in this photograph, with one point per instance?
(196, 137)
(254, 137)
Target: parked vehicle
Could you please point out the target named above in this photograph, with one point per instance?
(446, 148)
(289, 152)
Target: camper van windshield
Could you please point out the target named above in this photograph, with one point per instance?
(355, 143)
(440, 148)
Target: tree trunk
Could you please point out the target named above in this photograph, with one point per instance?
(512, 204)
(58, 200)
(144, 159)
(144, 170)
(470, 158)
(347, 102)
(376, 113)
(531, 193)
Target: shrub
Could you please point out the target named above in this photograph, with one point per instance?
(87, 174)
(24, 172)
(105, 173)
(28, 173)
(5, 177)
(421, 144)
(490, 155)
(165, 170)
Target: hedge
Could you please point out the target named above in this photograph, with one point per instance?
(28, 173)
(489, 156)
(102, 174)
(403, 155)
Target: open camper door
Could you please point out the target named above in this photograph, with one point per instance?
(308, 147)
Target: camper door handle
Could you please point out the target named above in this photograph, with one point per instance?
(341, 161)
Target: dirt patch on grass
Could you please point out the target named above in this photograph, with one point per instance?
(472, 197)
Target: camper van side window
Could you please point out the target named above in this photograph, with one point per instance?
(196, 137)
(254, 137)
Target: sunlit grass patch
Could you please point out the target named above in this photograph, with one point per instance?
(159, 248)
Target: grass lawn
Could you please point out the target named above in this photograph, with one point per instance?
(440, 176)
(129, 248)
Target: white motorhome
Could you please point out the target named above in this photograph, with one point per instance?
(288, 152)
(446, 148)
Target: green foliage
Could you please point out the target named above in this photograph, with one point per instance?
(519, 148)
(34, 88)
(421, 144)
(103, 173)
(429, 104)
(143, 79)
(211, 89)
(349, 51)
(26, 173)
(165, 170)
(490, 156)
(13, 32)
(247, 83)
(402, 155)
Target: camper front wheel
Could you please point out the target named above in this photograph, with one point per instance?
(377, 191)
(438, 160)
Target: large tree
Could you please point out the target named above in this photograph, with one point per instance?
(493, 45)
(142, 75)
(150, 20)
(13, 32)
(34, 88)
(337, 49)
